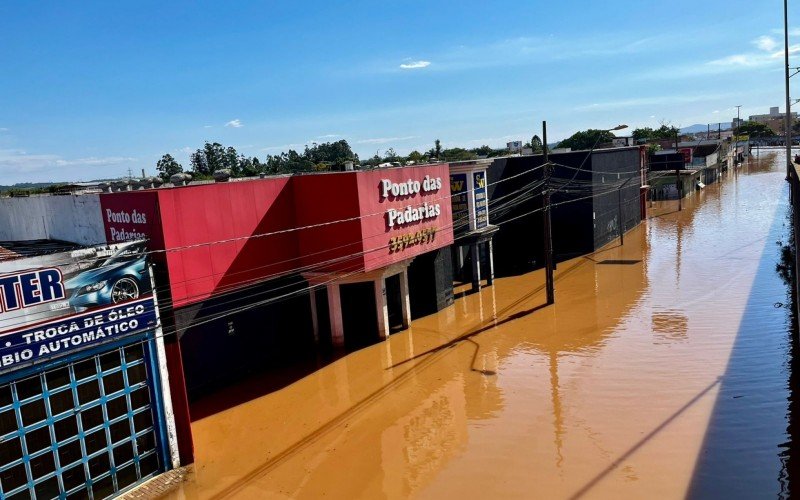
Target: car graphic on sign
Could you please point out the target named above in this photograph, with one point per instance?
(123, 276)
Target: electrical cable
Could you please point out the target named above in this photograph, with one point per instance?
(174, 330)
(241, 286)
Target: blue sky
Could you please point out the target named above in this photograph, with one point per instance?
(91, 89)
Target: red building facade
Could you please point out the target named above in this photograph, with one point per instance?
(347, 235)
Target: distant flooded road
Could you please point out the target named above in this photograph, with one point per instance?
(662, 371)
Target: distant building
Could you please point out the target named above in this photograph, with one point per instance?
(621, 142)
(775, 120)
(514, 146)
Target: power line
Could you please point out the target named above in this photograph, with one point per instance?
(259, 280)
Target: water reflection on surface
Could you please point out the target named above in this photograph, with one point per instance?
(622, 388)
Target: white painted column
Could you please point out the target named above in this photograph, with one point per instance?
(335, 312)
(382, 308)
(476, 266)
(314, 320)
(490, 251)
(405, 298)
(163, 372)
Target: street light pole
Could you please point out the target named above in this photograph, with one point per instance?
(678, 181)
(788, 120)
(547, 219)
(548, 234)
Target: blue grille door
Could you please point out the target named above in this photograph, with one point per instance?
(82, 429)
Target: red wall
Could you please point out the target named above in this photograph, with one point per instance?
(225, 235)
(327, 199)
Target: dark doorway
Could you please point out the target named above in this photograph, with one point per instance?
(359, 315)
(323, 316)
(394, 302)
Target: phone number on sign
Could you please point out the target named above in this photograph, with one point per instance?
(398, 243)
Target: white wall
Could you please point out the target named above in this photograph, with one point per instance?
(72, 218)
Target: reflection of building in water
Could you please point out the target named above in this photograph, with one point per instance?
(670, 325)
(428, 436)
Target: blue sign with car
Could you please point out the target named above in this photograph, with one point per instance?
(60, 303)
(122, 276)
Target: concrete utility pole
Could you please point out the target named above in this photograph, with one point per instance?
(738, 120)
(788, 121)
(548, 234)
(678, 182)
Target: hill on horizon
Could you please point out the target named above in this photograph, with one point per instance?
(699, 127)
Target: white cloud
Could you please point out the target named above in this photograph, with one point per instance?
(743, 60)
(282, 148)
(769, 53)
(20, 166)
(237, 123)
(792, 31)
(765, 43)
(4, 129)
(415, 65)
(207, 126)
(522, 51)
(716, 111)
(384, 140)
(328, 136)
(658, 100)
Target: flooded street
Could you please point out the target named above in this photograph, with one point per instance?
(661, 371)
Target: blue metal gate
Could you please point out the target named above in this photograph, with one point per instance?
(88, 426)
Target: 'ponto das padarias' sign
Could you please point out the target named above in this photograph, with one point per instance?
(59, 303)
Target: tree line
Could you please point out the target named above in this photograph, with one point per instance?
(592, 138)
(214, 157)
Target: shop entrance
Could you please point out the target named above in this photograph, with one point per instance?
(394, 303)
(89, 426)
(358, 314)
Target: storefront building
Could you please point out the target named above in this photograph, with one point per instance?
(85, 410)
(251, 271)
(473, 232)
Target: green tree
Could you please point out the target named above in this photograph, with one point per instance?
(332, 153)
(642, 134)
(482, 151)
(167, 166)
(249, 167)
(391, 155)
(755, 129)
(373, 162)
(416, 157)
(665, 131)
(214, 156)
(586, 139)
(458, 154)
(536, 144)
(292, 162)
(437, 148)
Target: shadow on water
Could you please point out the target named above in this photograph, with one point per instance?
(260, 383)
(748, 449)
(789, 455)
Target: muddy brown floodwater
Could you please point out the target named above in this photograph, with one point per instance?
(662, 371)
